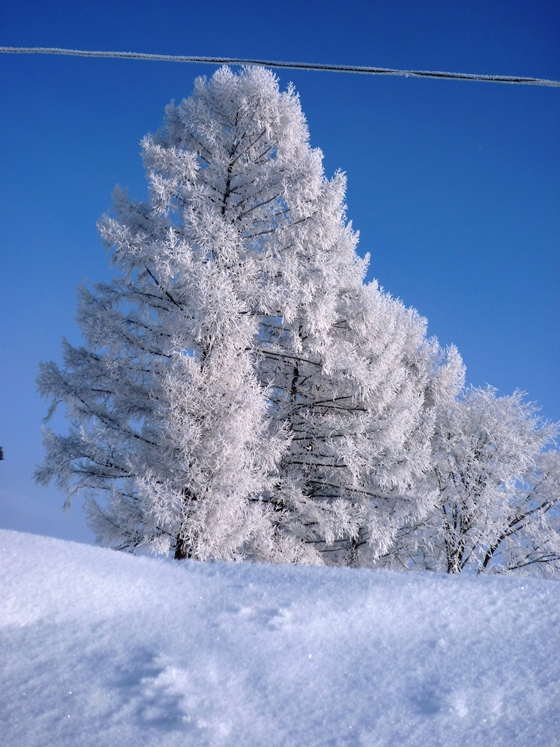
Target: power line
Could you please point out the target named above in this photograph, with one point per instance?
(290, 65)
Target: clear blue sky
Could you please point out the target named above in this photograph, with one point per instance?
(454, 186)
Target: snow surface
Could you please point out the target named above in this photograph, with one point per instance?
(100, 648)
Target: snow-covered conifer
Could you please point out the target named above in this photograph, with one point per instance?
(242, 392)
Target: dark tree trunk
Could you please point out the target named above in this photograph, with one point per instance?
(182, 551)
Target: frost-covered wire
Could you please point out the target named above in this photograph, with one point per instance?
(363, 69)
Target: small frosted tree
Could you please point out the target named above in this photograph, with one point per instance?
(498, 487)
(242, 393)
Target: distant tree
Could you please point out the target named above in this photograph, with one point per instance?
(242, 393)
(498, 486)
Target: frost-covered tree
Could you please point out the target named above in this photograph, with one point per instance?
(242, 392)
(498, 486)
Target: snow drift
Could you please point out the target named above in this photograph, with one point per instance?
(99, 648)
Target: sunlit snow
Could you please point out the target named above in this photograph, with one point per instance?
(99, 648)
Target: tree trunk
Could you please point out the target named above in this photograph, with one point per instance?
(182, 551)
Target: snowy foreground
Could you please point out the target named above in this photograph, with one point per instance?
(99, 648)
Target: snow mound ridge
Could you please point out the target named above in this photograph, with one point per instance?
(105, 649)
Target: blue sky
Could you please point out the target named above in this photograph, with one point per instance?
(454, 186)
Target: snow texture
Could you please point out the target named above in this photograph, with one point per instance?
(100, 648)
